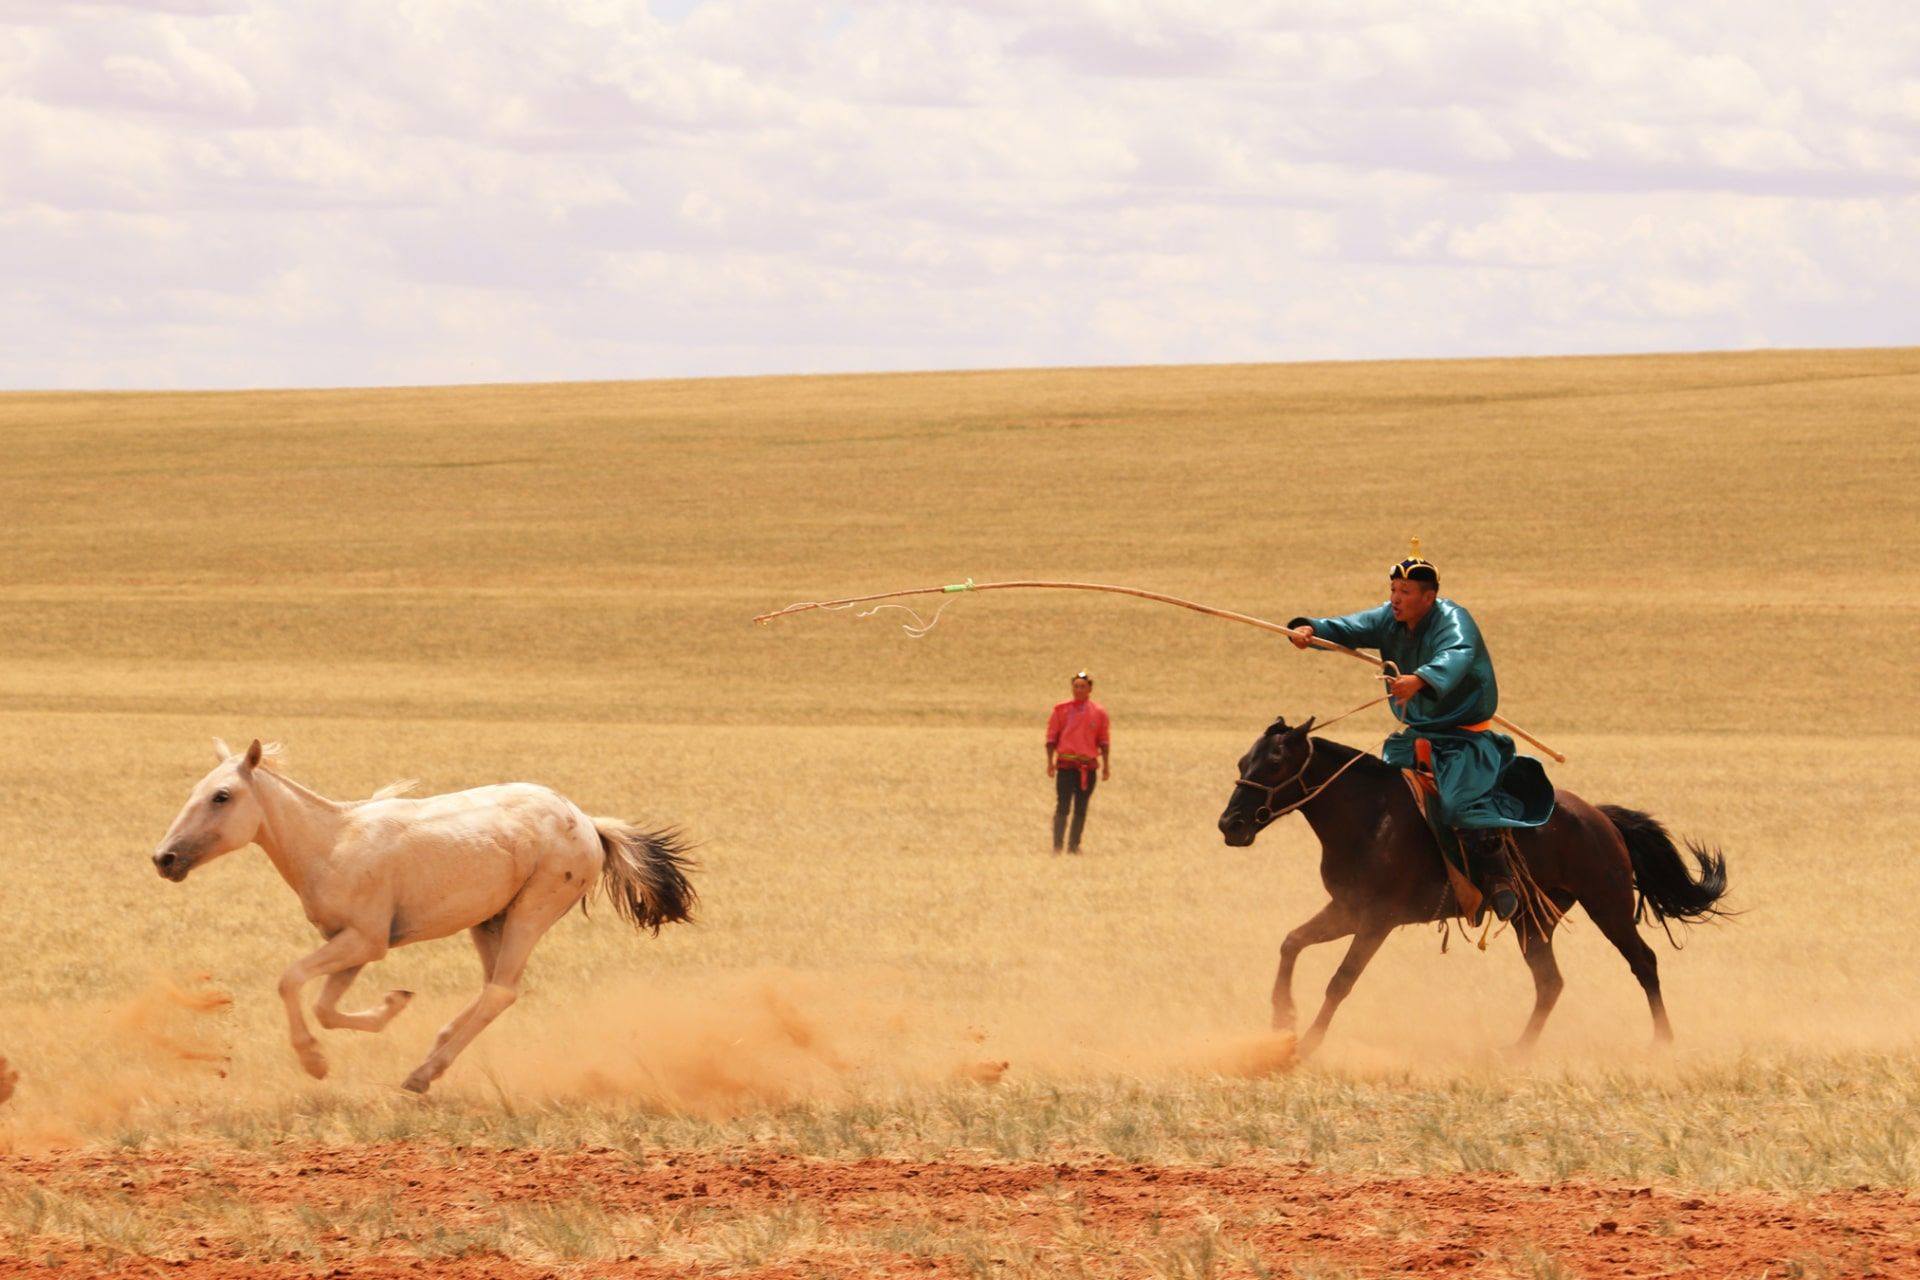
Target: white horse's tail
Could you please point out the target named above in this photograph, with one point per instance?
(645, 873)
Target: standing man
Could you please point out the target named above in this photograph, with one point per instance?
(1077, 741)
(1442, 689)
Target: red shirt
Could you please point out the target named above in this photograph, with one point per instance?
(1078, 728)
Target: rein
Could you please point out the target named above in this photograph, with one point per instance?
(1321, 724)
(1272, 791)
(1307, 793)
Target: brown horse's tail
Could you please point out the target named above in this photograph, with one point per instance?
(1667, 888)
(645, 873)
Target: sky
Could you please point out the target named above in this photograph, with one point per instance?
(235, 193)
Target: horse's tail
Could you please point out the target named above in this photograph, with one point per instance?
(1666, 887)
(645, 873)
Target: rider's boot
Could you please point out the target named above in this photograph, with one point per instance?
(1486, 849)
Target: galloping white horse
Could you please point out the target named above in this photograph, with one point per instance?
(503, 862)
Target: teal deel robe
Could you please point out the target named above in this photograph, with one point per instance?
(1482, 781)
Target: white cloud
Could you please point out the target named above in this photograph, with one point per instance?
(423, 190)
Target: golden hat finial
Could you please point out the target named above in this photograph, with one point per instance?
(1416, 567)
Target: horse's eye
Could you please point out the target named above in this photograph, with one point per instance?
(222, 796)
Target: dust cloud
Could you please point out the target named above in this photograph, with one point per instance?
(735, 1043)
(170, 1020)
(99, 1066)
(770, 1037)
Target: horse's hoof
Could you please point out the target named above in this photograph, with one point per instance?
(1259, 1058)
(398, 1000)
(979, 1072)
(315, 1063)
(418, 1082)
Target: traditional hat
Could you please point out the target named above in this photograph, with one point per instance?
(1414, 568)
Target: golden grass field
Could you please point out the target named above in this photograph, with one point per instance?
(1689, 568)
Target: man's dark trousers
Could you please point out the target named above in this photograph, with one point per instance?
(1069, 795)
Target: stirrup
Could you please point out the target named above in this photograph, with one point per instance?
(1501, 896)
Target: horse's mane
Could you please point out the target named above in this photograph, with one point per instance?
(1369, 761)
(273, 758)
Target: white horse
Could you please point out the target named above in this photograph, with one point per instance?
(503, 862)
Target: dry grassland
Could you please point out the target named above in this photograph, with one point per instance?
(1690, 570)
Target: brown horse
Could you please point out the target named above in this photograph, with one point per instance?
(1382, 866)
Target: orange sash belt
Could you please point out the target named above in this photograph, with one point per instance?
(1423, 748)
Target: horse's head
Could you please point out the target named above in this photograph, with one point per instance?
(222, 814)
(1271, 766)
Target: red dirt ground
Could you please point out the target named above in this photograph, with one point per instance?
(1467, 1224)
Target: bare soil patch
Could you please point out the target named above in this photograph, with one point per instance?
(899, 1218)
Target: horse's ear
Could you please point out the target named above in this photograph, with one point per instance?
(253, 754)
(226, 752)
(1279, 725)
(1308, 726)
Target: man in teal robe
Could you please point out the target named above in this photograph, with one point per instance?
(1443, 690)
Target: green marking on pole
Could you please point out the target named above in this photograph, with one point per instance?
(959, 586)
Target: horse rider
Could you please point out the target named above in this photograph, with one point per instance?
(1441, 686)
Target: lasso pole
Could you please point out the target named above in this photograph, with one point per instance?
(953, 588)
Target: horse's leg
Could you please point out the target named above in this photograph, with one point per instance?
(1332, 921)
(531, 915)
(1537, 946)
(486, 941)
(347, 949)
(1359, 952)
(326, 1010)
(1613, 913)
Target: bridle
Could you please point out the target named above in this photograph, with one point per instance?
(1388, 672)
(1272, 809)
